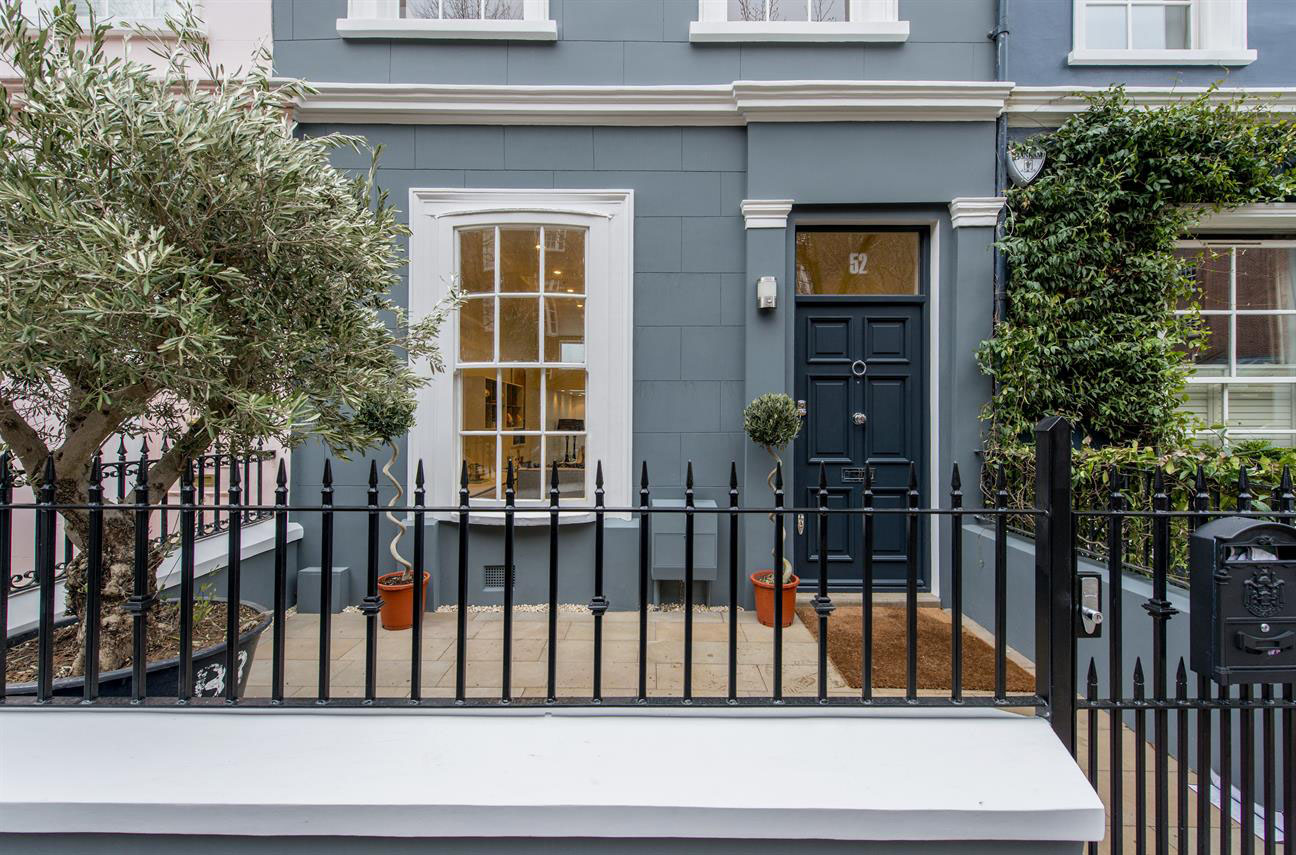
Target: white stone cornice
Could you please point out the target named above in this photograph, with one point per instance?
(968, 211)
(721, 104)
(1050, 106)
(1260, 217)
(869, 101)
(766, 213)
(421, 104)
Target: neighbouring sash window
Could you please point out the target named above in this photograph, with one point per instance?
(1244, 383)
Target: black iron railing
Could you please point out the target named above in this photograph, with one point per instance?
(1194, 710)
(737, 516)
(1183, 717)
(117, 473)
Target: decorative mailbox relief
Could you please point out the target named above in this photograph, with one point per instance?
(1243, 589)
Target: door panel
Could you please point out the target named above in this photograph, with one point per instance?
(835, 337)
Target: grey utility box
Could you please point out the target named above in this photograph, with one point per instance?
(668, 544)
(308, 589)
(1243, 594)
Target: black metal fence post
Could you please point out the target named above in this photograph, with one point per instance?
(1055, 678)
(138, 604)
(6, 561)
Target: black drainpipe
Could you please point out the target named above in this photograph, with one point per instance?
(1000, 37)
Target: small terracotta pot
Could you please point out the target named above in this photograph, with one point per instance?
(765, 598)
(398, 601)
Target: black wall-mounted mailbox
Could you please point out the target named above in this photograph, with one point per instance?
(1243, 594)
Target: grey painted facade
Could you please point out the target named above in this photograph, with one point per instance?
(633, 42)
(701, 348)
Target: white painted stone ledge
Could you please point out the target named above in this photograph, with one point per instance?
(753, 774)
(210, 554)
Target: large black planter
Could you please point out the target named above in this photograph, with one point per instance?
(163, 677)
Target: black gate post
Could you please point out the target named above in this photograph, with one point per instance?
(1055, 678)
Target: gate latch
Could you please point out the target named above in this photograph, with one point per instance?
(1089, 605)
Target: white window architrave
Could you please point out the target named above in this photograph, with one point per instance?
(1218, 34)
(381, 19)
(867, 21)
(608, 215)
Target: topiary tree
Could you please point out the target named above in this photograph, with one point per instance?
(388, 417)
(772, 421)
(173, 256)
(1091, 332)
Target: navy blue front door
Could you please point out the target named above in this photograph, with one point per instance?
(860, 373)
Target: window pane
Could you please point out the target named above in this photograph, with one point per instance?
(1105, 27)
(520, 259)
(788, 10)
(479, 398)
(421, 9)
(461, 8)
(1160, 27)
(564, 329)
(1210, 268)
(1206, 402)
(565, 405)
(840, 263)
(1266, 344)
(477, 330)
(564, 260)
(504, 10)
(519, 317)
(521, 399)
(568, 451)
(1261, 407)
(828, 10)
(477, 260)
(479, 454)
(1210, 354)
(528, 475)
(746, 10)
(1264, 278)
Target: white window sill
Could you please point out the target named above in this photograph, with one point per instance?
(523, 518)
(798, 31)
(429, 28)
(1161, 57)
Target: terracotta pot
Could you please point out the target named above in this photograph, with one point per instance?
(765, 598)
(398, 601)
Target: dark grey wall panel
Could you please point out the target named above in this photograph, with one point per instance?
(870, 163)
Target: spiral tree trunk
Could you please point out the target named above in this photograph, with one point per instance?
(769, 479)
(395, 500)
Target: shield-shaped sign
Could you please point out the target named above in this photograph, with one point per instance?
(1025, 166)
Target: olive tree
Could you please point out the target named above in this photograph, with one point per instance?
(173, 256)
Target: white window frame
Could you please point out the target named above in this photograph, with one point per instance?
(1218, 32)
(119, 25)
(868, 21)
(608, 215)
(1206, 243)
(380, 19)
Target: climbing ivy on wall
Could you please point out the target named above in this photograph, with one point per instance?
(1091, 332)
